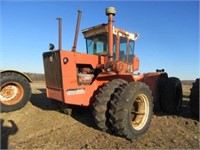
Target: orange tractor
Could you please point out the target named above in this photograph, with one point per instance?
(104, 78)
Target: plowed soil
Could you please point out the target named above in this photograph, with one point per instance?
(40, 125)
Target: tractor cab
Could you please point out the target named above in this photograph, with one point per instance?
(97, 42)
(123, 43)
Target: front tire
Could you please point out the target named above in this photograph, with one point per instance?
(101, 104)
(15, 91)
(131, 110)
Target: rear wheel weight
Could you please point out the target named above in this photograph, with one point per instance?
(15, 91)
(101, 104)
(131, 110)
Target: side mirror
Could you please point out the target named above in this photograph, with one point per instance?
(51, 47)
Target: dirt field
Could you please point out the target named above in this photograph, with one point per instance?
(39, 125)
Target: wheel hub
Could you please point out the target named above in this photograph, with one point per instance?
(8, 92)
(140, 112)
(11, 93)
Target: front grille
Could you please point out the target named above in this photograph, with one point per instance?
(52, 69)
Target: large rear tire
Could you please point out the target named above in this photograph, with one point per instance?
(171, 96)
(131, 110)
(194, 98)
(15, 91)
(101, 104)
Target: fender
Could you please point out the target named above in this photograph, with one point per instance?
(18, 72)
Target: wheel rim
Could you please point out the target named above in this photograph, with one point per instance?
(11, 93)
(140, 112)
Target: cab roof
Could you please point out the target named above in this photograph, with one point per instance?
(103, 29)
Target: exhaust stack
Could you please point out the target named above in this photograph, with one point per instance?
(59, 33)
(110, 12)
(77, 31)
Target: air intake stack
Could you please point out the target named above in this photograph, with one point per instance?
(110, 12)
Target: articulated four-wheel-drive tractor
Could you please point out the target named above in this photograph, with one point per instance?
(104, 78)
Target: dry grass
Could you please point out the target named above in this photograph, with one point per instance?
(186, 90)
(186, 86)
(36, 76)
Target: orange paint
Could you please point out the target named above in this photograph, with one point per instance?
(74, 78)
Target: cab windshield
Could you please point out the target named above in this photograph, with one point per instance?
(126, 50)
(98, 45)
